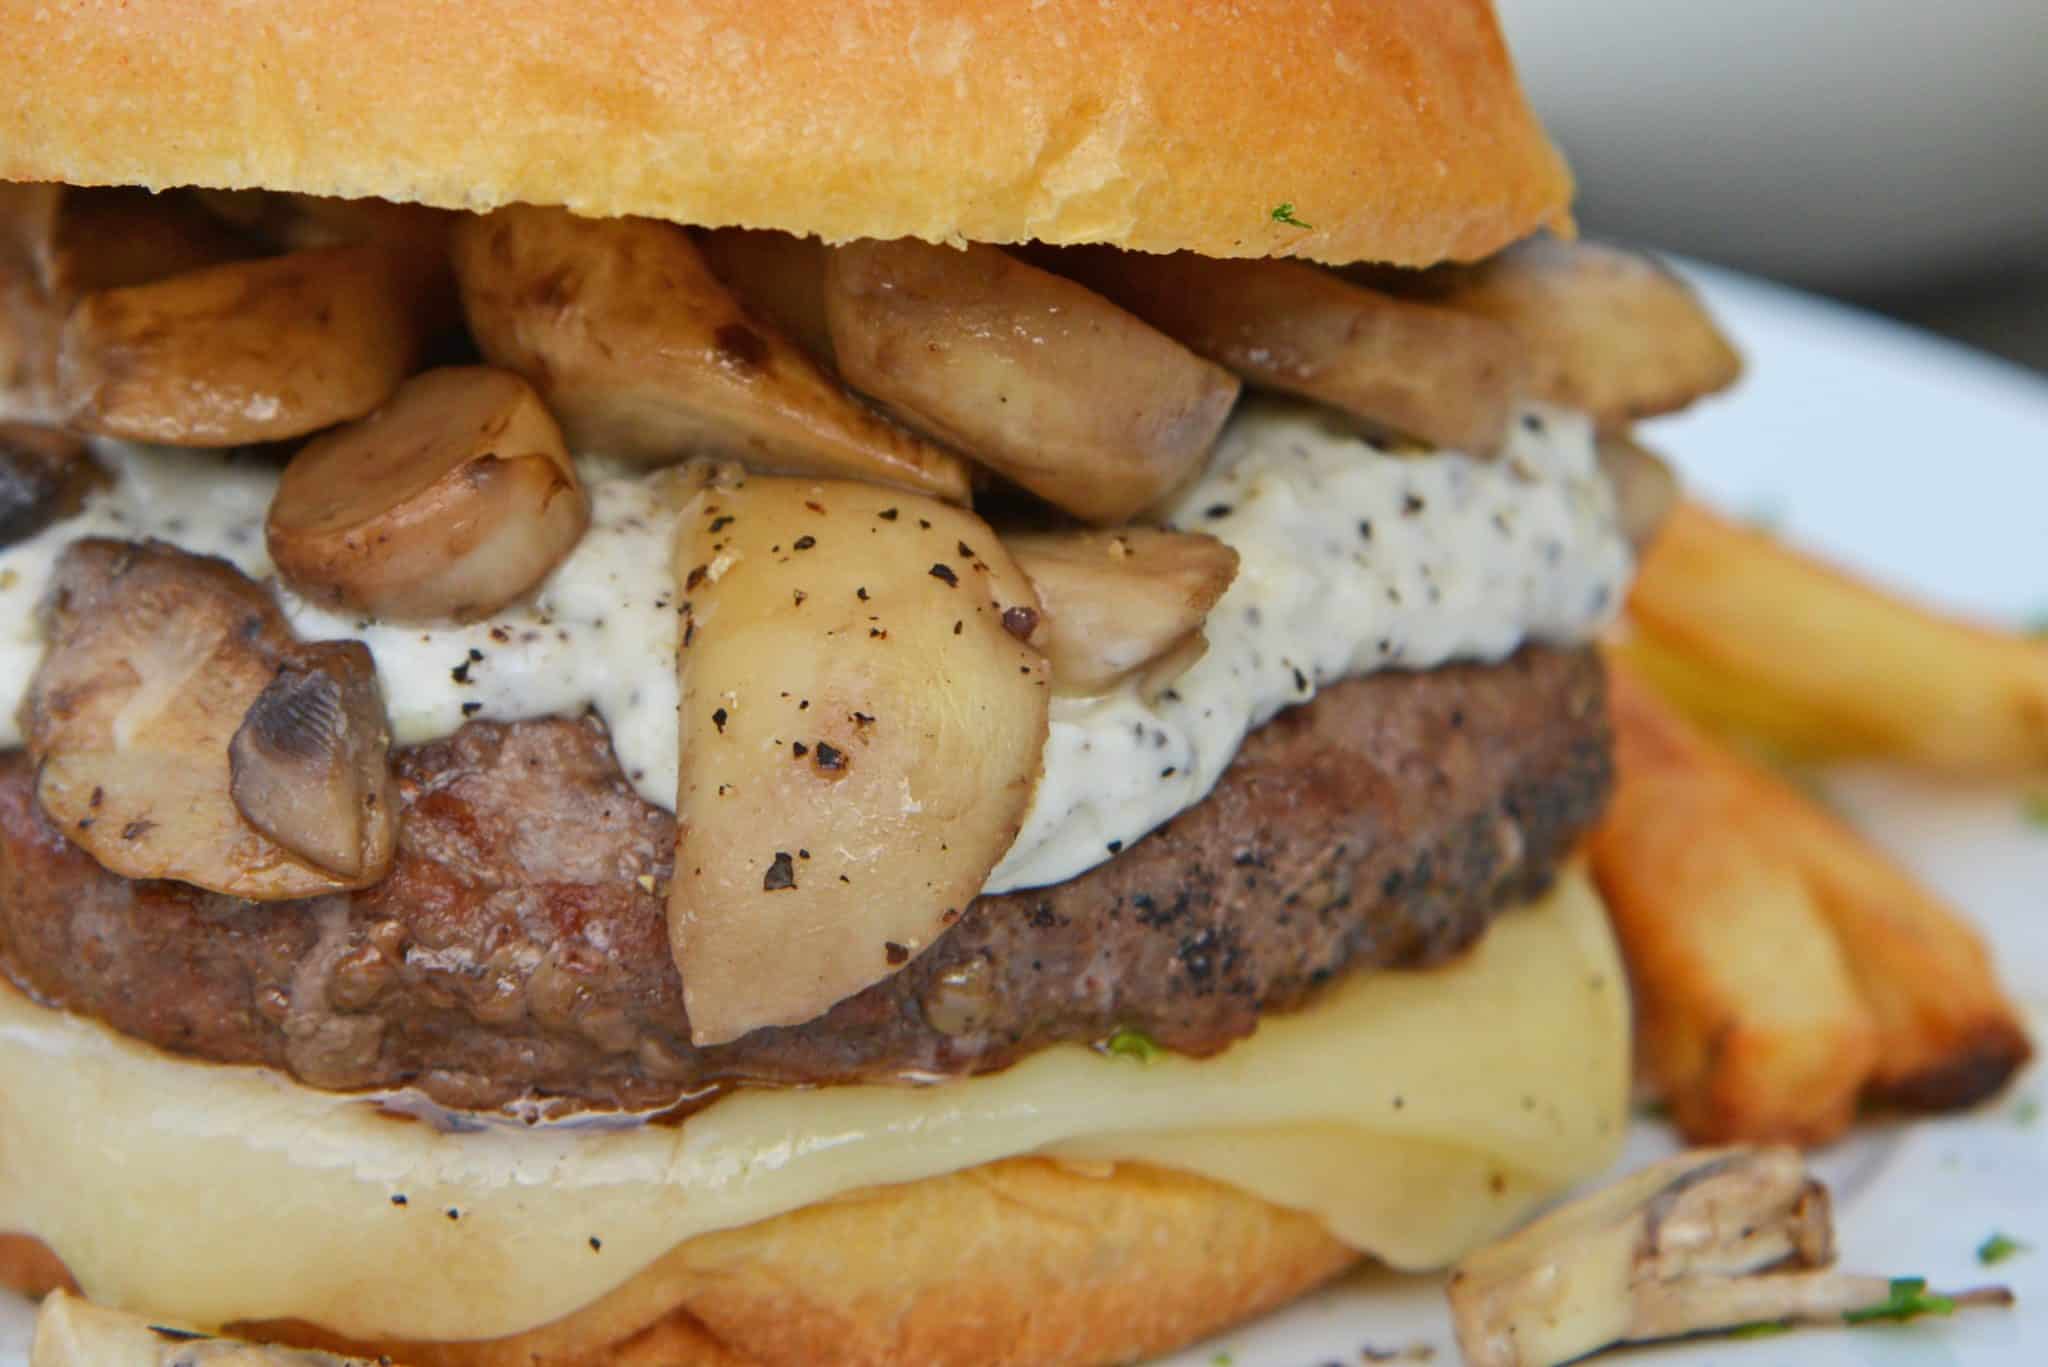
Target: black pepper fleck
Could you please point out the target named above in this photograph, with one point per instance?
(398, 1200)
(799, 749)
(1215, 510)
(470, 709)
(1411, 505)
(896, 954)
(719, 524)
(781, 874)
(804, 542)
(830, 756)
(596, 1244)
(718, 720)
(944, 574)
(861, 593)
(887, 514)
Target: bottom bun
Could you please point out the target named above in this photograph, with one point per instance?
(1022, 1261)
(1414, 1113)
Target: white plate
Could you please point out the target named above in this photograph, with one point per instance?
(1927, 466)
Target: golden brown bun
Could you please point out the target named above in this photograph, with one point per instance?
(1395, 128)
(1022, 1261)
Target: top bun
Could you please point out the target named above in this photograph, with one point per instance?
(1395, 129)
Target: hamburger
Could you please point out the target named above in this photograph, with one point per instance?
(761, 683)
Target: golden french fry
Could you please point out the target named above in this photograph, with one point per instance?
(1948, 1037)
(1946, 1034)
(1817, 661)
(1609, 331)
(1751, 1023)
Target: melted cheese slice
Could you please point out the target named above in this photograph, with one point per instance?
(1416, 1113)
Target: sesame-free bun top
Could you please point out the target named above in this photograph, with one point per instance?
(1394, 129)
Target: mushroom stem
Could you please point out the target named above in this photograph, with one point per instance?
(1709, 1241)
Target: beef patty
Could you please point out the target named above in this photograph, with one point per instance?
(518, 951)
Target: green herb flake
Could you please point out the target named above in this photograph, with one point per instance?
(1283, 212)
(1999, 1247)
(2026, 1111)
(1132, 1044)
(1908, 1300)
(2034, 809)
(1761, 1329)
(1222, 1360)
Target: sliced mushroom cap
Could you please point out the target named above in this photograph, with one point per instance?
(155, 663)
(1044, 381)
(641, 353)
(417, 236)
(59, 242)
(1444, 378)
(31, 315)
(862, 730)
(1116, 603)
(452, 500)
(306, 766)
(247, 352)
(1610, 332)
(780, 276)
(1645, 488)
(112, 239)
(45, 474)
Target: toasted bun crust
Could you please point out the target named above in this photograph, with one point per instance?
(1022, 1261)
(1396, 129)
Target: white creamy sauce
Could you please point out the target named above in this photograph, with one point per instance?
(1352, 560)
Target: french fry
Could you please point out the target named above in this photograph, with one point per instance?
(1947, 1035)
(1750, 1022)
(1696, 830)
(1756, 636)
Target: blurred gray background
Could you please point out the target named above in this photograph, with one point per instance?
(1893, 153)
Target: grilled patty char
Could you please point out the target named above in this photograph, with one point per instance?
(518, 951)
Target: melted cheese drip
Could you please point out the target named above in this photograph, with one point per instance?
(1416, 1113)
